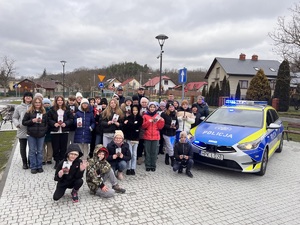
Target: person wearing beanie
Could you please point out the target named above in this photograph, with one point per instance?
(126, 106)
(17, 118)
(152, 123)
(61, 120)
(39, 95)
(119, 153)
(36, 121)
(185, 118)
(73, 107)
(132, 126)
(135, 100)
(196, 114)
(78, 98)
(69, 173)
(48, 150)
(98, 172)
(85, 124)
(169, 131)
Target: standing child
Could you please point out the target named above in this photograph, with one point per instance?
(98, 171)
(152, 123)
(37, 124)
(73, 107)
(69, 173)
(85, 124)
(183, 155)
(48, 151)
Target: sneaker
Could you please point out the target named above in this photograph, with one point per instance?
(120, 175)
(49, 162)
(140, 161)
(147, 169)
(180, 170)
(74, 195)
(189, 174)
(128, 172)
(40, 170)
(153, 169)
(118, 189)
(132, 172)
(34, 171)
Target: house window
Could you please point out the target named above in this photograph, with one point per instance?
(256, 68)
(217, 72)
(165, 82)
(272, 84)
(243, 84)
(272, 69)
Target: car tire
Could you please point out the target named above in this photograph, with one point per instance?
(264, 163)
(279, 149)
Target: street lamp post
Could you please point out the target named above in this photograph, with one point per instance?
(63, 62)
(161, 40)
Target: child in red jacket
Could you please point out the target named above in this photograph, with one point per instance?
(152, 123)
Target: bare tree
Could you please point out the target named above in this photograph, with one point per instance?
(7, 71)
(286, 37)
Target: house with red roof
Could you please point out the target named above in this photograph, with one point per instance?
(130, 84)
(153, 84)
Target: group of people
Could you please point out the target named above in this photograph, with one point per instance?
(105, 138)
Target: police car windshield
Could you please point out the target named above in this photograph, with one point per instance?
(237, 117)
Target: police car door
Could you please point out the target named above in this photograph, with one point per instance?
(271, 133)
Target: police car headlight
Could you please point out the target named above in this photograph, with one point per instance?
(249, 145)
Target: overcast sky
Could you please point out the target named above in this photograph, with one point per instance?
(38, 34)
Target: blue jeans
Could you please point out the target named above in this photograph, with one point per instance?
(118, 165)
(133, 150)
(36, 149)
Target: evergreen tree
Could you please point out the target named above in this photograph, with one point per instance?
(282, 86)
(216, 95)
(259, 89)
(227, 88)
(238, 92)
(209, 95)
(204, 91)
(223, 87)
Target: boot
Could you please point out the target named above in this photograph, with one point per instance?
(118, 189)
(74, 194)
(189, 174)
(25, 166)
(167, 162)
(172, 160)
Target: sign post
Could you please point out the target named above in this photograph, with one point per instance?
(182, 78)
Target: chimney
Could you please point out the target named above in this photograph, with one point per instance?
(254, 57)
(242, 57)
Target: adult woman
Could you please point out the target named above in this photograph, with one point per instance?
(36, 121)
(60, 120)
(111, 119)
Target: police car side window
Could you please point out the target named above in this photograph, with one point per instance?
(274, 115)
(269, 118)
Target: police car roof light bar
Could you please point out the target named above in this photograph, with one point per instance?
(244, 102)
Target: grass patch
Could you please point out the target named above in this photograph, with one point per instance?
(7, 142)
(17, 102)
(292, 137)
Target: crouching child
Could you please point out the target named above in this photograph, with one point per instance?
(98, 171)
(69, 173)
(183, 155)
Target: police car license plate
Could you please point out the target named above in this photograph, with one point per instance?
(212, 155)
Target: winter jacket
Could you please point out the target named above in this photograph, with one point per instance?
(72, 126)
(183, 149)
(167, 130)
(185, 120)
(152, 128)
(95, 172)
(83, 134)
(111, 147)
(197, 120)
(74, 173)
(36, 130)
(17, 118)
(109, 128)
(203, 109)
(132, 128)
(53, 118)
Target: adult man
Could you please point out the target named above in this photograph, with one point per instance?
(141, 92)
(120, 94)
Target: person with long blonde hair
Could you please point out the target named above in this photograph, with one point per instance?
(36, 121)
(60, 121)
(111, 119)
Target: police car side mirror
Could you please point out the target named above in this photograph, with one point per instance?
(273, 126)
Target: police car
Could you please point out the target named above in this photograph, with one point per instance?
(240, 136)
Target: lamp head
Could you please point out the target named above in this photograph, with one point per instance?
(161, 39)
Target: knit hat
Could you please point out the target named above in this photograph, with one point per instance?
(78, 94)
(84, 100)
(27, 93)
(128, 99)
(46, 101)
(135, 97)
(151, 103)
(38, 95)
(73, 148)
(103, 101)
(120, 133)
(162, 103)
(169, 104)
(194, 105)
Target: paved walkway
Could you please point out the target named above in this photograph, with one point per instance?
(213, 196)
